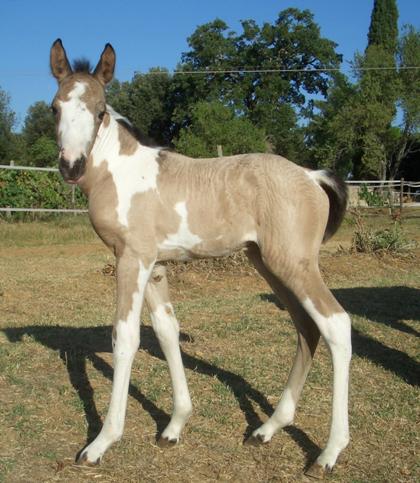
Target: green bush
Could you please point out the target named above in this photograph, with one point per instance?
(35, 189)
(391, 240)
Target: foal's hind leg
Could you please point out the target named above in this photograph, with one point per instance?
(305, 288)
(308, 337)
(166, 328)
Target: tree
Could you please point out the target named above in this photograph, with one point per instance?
(145, 101)
(292, 45)
(378, 90)
(383, 29)
(7, 122)
(43, 152)
(39, 134)
(213, 124)
(407, 137)
(331, 132)
(39, 121)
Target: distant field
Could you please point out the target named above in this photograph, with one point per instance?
(57, 307)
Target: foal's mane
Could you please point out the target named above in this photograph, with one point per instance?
(142, 138)
(82, 65)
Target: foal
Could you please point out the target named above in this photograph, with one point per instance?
(149, 205)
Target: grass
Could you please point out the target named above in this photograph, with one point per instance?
(56, 366)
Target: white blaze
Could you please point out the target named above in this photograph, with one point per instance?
(76, 126)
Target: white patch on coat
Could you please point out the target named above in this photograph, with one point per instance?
(336, 330)
(132, 174)
(250, 237)
(76, 126)
(166, 328)
(183, 238)
(319, 176)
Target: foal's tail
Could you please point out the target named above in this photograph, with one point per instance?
(337, 192)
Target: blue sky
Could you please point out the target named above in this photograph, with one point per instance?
(147, 34)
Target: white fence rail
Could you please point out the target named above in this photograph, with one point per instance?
(392, 193)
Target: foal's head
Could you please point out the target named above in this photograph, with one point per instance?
(79, 107)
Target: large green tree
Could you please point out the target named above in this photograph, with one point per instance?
(272, 99)
(378, 91)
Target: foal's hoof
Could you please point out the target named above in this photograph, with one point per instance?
(82, 460)
(257, 440)
(163, 442)
(317, 471)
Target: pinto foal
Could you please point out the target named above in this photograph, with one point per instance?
(149, 205)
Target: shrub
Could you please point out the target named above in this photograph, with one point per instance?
(372, 198)
(34, 189)
(366, 240)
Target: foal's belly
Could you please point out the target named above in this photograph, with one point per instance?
(219, 246)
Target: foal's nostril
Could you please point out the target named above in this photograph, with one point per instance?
(71, 172)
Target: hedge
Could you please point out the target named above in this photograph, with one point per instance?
(37, 189)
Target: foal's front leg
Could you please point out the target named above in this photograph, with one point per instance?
(166, 328)
(132, 277)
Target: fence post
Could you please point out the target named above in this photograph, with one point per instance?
(219, 150)
(9, 212)
(73, 187)
(401, 194)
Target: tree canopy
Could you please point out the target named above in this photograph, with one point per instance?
(214, 124)
(267, 87)
(7, 122)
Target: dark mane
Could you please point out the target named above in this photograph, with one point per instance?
(82, 65)
(142, 138)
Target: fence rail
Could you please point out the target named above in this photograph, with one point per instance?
(27, 168)
(388, 193)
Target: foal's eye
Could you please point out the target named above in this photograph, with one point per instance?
(101, 115)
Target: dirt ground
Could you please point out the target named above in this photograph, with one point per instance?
(57, 303)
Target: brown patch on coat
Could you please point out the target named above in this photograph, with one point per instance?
(106, 120)
(157, 290)
(128, 144)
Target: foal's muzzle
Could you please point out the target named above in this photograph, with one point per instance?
(72, 173)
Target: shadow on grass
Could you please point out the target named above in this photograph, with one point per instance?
(388, 306)
(76, 346)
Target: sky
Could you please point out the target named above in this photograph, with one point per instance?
(147, 34)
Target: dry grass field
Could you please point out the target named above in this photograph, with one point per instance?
(57, 305)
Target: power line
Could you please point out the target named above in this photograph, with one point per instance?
(269, 71)
(235, 71)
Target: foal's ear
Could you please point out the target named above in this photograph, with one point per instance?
(104, 71)
(59, 63)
